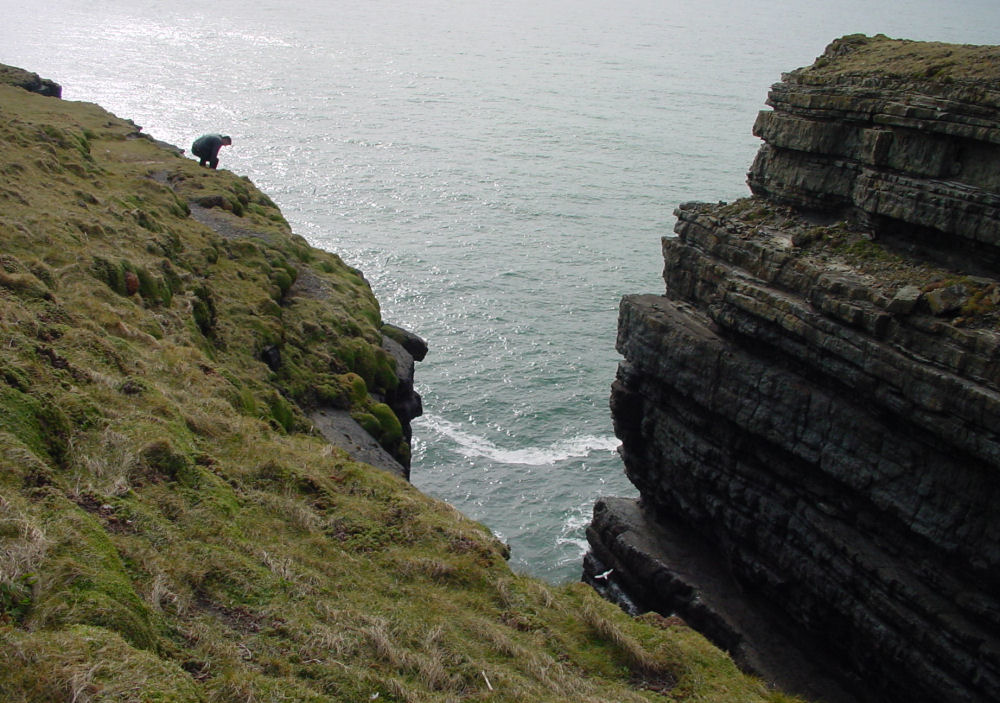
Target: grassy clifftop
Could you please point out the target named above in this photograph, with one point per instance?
(170, 527)
(880, 56)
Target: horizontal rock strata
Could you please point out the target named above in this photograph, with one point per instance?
(819, 400)
(889, 137)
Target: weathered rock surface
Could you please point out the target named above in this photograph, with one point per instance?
(905, 132)
(404, 399)
(667, 566)
(341, 430)
(29, 81)
(405, 348)
(819, 399)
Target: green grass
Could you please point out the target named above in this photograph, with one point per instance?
(860, 55)
(172, 529)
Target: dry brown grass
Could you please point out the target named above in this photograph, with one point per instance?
(23, 543)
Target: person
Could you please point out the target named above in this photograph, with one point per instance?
(206, 148)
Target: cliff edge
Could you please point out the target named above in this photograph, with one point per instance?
(815, 401)
(193, 406)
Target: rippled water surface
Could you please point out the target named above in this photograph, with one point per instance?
(501, 172)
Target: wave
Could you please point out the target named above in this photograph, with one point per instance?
(572, 534)
(472, 445)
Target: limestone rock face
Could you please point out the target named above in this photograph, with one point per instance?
(906, 132)
(817, 397)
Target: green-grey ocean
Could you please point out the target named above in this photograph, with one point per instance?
(501, 172)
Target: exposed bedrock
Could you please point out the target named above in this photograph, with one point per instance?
(904, 132)
(342, 430)
(818, 400)
(30, 81)
(404, 347)
(647, 561)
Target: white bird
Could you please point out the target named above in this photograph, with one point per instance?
(604, 575)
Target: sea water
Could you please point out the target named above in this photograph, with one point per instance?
(502, 172)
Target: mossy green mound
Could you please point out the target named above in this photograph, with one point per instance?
(171, 528)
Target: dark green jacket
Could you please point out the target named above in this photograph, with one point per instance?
(207, 146)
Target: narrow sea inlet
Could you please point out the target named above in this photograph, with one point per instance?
(501, 173)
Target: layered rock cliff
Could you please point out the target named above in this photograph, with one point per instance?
(815, 400)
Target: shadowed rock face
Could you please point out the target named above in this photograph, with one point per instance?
(817, 395)
(29, 81)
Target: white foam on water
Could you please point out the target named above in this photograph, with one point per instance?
(571, 542)
(473, 445)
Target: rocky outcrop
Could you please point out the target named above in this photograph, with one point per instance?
(645, 561)
(404, 347)
(29, 81)
(334, 420)
(905, 132)
(817, 395)
(342, 430)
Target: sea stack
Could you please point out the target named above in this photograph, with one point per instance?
(811, 410)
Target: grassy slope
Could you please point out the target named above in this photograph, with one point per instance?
(169, 528)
